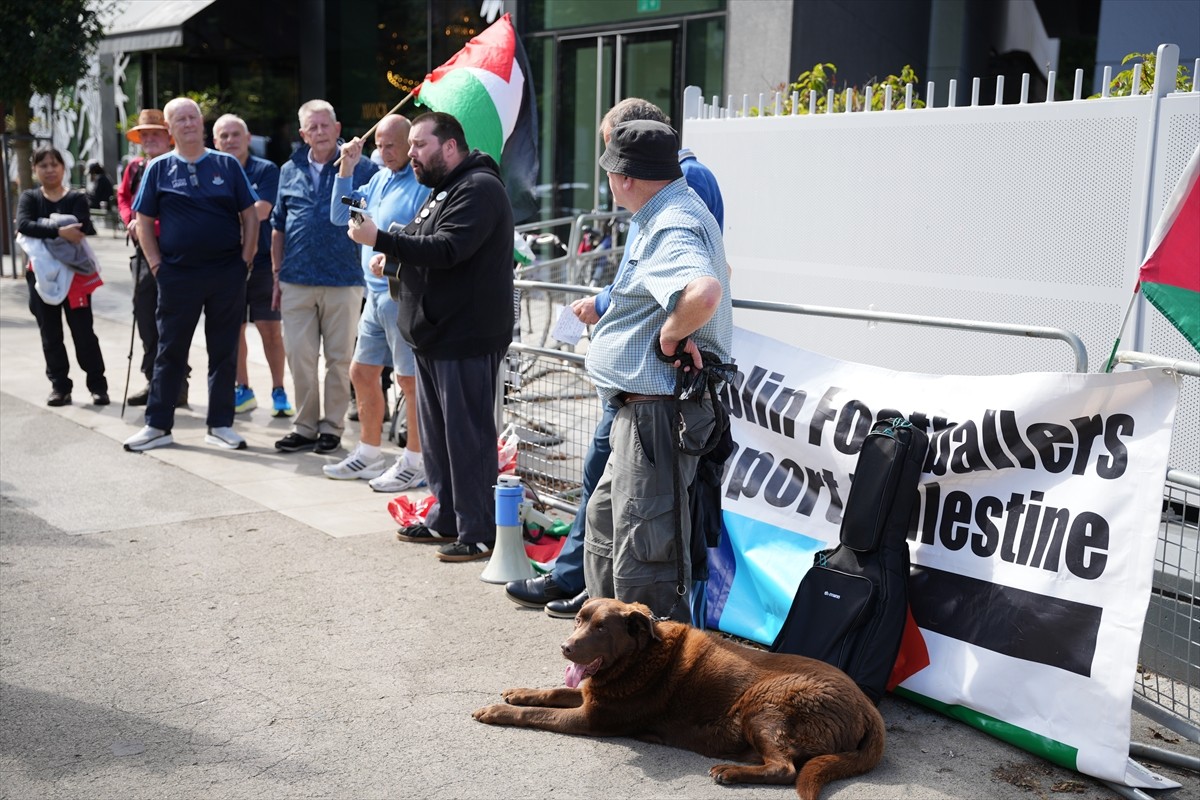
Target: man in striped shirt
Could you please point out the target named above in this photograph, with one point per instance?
(671, 302)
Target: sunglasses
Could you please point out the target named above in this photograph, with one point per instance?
(192, 174)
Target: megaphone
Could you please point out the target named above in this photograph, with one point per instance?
(508, 561)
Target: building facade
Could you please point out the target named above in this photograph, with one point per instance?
(262, 60)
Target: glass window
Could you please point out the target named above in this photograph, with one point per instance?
(547, 15)
(705, 56)
(374, 57)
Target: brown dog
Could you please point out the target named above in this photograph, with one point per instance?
(668, 683)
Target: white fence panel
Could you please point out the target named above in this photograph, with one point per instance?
(1031, 214)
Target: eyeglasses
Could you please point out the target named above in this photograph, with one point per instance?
(192, 174)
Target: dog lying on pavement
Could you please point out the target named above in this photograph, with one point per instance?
(793, 718)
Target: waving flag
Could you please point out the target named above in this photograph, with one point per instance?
(1170, 275)
(486, 87)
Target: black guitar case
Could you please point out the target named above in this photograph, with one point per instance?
(852, 604)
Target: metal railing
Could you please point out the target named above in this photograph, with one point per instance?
(1168, 686)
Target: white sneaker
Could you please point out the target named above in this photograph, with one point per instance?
(399, 477)
(225, 437)
(148, 438)
(355, 466)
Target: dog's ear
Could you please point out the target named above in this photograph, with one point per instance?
(639, 620)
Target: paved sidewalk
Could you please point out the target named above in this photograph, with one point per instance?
(198, 623)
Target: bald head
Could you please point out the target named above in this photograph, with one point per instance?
(186, 124)
(391, 140)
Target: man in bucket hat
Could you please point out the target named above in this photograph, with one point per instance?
(670, 302)
(152, 136)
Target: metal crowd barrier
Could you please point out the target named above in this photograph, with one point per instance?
(1167, 689)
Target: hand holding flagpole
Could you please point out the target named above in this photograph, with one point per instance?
(366, 136)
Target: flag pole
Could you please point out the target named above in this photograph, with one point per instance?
(1112, 356)
(371, 130)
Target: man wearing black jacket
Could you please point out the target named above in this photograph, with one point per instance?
(454, 284)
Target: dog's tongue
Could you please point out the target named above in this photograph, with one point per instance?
(577, 672)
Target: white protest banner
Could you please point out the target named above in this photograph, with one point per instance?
(1033, 547)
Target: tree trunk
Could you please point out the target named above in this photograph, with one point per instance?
(22, 144)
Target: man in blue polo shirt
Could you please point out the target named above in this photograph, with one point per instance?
(392, 195)
(232, 135)
(208, 232)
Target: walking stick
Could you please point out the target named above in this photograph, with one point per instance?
(137, 275)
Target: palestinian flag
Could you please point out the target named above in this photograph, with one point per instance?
(486, 86)
(1170, 275)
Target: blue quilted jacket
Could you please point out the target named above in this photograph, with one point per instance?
(316, 252)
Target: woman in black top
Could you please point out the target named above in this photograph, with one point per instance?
(33, 212)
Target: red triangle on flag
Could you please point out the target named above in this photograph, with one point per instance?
(493, 50)
(913, 656)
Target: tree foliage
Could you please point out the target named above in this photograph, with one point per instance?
(823, 77)
(1122, 83)
(44, 46)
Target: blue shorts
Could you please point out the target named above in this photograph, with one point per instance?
(379, 339)
(258, 295)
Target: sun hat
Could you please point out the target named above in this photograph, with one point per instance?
(643, 149)
(149, 119)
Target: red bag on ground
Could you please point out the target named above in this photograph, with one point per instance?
(406, 512)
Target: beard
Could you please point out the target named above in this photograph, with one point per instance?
(432, 172)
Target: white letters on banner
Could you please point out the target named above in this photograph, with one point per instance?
(1033, 546)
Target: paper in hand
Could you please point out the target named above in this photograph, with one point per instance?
(568, 329)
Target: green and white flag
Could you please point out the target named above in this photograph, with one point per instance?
(486, 87)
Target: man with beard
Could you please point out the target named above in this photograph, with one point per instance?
(455, 285)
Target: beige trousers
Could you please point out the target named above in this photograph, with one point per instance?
(320, 320)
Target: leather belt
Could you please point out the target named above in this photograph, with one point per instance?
(632, 397)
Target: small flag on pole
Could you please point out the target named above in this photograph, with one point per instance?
(487, 87)
(1170, 276)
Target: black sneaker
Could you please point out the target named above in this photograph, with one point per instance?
(419, 533)
(58, 398)
(100, 399)
(327, 443)
(464, 551)
(294, 443)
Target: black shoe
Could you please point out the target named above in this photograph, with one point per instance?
(182, 402)
(420, 534)
(463, 551)
(100, 399)
(58, 398)
(327, 443)
(566, 609)
(534, 592)
(352, 415)
(140, 398)
(294, 443)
